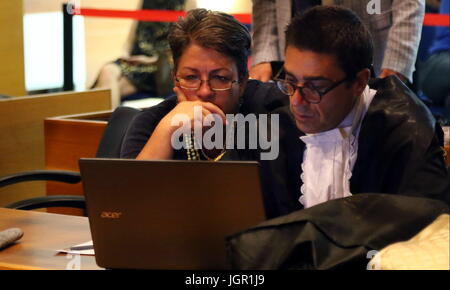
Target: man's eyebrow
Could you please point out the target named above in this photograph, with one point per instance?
(309, 78)
(212, 71)
(317, 78)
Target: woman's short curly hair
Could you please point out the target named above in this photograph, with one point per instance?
(214, 30)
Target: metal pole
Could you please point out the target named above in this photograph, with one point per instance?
(68, 48)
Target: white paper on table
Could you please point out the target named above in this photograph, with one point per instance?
(89, 251)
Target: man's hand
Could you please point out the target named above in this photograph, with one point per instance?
(385, 72)
(261, 71)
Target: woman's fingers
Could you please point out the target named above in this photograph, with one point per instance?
(213, 109)
(188, 107)
(181, 97)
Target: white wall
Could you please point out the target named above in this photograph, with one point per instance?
(97, 40)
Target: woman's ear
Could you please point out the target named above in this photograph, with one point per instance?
(172, 73)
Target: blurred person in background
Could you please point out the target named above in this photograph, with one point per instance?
(144, 69)
(395, 29)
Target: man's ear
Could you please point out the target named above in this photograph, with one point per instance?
(243, 84)
(361, 81)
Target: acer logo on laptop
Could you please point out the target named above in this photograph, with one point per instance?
(111, 214)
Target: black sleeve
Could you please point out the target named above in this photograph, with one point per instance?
(142, 127)
(138, 134)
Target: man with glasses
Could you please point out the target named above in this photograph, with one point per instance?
(395, 26)
(339, 136)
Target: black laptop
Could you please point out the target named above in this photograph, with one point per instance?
(168, 214)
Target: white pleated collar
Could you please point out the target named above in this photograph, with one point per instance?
(329, 156)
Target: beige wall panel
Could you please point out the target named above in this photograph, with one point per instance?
(22, 127)
(41, 6)
(12, 76)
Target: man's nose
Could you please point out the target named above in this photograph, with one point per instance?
(297, 98)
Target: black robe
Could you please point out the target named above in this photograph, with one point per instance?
(399, 152)
(343, 233)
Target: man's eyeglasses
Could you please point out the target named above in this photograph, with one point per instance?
(308, 90)
(216, 83)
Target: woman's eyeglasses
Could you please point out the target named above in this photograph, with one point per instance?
(216, 83)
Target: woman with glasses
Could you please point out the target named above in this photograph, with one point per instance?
(210, 52)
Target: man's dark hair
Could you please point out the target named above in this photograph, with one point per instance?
(214, 30)
(333, 30)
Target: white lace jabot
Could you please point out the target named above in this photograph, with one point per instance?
(329, 157)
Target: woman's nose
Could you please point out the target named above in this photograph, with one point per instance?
(204, 91)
